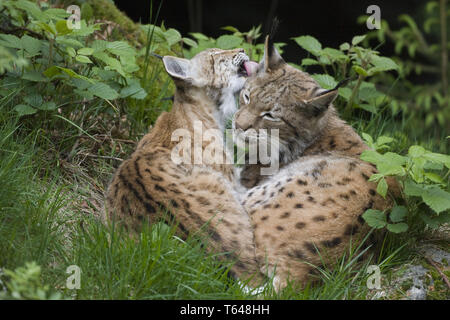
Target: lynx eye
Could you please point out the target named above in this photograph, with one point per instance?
(246, 97)
(268, 116)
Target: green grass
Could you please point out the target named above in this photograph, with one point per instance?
(50, 214)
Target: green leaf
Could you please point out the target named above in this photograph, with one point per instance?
(71, 51)
(382, 187)
(310, 44)
(83, 59)
(375, 218)
(383, 63)
(172, 36)
(190, 42)
(309, 62)
(384, 140)
(24, 110)
(85, 51)
(325, 81)
(344, 47)
(434, 177)
(10, 41)
(358, 39)
(31, 45)
(368, 107)
(61, 28)
(437, 199)
(398, 213)
(48, 106)
(102, 90)
(228, 42)
(435, 221)
(199, 36)
(416, 151)
(413, 189)
(398, 227)
(439, 158)
(34, 76)
(372, 156)
(34, 100)
(360, 70)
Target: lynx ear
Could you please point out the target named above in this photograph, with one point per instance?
(178, 68)
(320, 103)
(272, 58)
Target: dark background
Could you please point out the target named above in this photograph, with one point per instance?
(331, 22)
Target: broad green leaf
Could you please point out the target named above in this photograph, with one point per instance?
(439, 158)
(435, 221)
(358, 39)
(85, 51)
(398, 213)
(48, 106)
(325, 81)
(34, 100)
(345, 93)
(190, 42)
(61, 28)
(434, 177)
(368, 107)
(360, 70)
(228, 42)
(199, 36)
(372, 156)
(34, 76)
(10, 41)
(375, 218)
(83, 59)
(309, 62)
(367, 138)
(437, 199)
(31, 45)
(344, 47)
(102, 90)
(384, 140)
(310, 44)
(172, 36)
(413, 189)
(383, 63)
(24, 110)
(397, 227)
(382, 187)
(71, 51)
(416, 151)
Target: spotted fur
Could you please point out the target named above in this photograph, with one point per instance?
(315, 201)
(149, 185)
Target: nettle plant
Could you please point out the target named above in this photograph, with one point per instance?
(51, 65)
(352, 61)
(424, 178)
(420, 50)
(246, 40)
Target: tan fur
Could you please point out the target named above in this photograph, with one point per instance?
(316, 199)
(198, 197)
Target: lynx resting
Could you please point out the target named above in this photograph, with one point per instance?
(315, 202)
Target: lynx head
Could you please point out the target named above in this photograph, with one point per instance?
(279, 96)
(220, 74)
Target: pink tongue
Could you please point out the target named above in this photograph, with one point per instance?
(250, 67)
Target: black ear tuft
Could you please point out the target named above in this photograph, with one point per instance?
(272, 58)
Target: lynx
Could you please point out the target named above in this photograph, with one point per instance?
(312, 207)
(196, 196)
